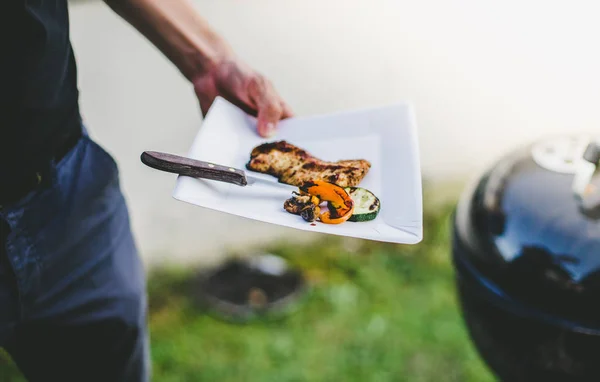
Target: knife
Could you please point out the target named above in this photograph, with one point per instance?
(205, 170)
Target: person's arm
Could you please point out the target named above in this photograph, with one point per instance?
(204, 58)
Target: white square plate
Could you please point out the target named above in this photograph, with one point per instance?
(385, 136)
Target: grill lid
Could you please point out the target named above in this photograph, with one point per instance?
(531, 225)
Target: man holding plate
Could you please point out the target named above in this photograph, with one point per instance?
(72, 287)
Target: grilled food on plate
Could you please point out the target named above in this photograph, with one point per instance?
(306, 203)
(366, 205)
(293, 165)
(333, 183)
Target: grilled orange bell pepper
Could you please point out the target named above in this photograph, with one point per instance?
(340, 204)
(328, 217)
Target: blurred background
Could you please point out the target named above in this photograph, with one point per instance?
(483, 76)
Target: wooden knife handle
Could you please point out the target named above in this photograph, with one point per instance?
(193, 168)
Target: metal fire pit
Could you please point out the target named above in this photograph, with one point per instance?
(262, 286)
(526, 252)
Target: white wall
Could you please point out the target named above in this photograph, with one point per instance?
(483, 75)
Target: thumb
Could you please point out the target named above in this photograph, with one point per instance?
(269, 113)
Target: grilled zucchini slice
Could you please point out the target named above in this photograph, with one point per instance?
(366, 204)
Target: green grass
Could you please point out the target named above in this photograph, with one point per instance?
(374, 312)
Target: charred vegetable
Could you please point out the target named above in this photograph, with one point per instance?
(304, 205)
(339, 203)
(310, 213)
(366, 204)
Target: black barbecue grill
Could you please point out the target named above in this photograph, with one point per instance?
(526, 251)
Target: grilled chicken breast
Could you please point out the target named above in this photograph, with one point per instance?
(293, 165)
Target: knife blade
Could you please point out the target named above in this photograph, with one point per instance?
(205, 170)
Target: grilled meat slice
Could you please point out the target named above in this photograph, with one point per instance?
(293, 165)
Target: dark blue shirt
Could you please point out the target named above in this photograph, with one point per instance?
(38, 83)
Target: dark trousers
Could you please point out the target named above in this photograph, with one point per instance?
(72, 287)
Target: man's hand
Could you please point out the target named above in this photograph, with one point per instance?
(204, 58)
(245, 88)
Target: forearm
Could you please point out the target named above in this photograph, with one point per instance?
(177, 30)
